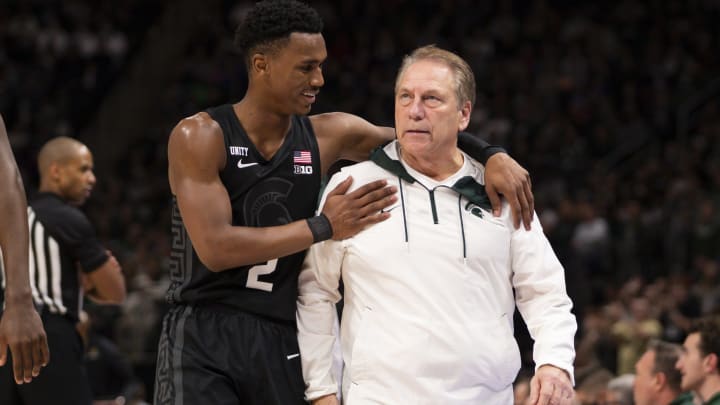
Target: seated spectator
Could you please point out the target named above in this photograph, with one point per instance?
(657, 381)
(698, 363)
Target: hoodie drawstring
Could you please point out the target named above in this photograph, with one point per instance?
(462, 227)
(402, 202)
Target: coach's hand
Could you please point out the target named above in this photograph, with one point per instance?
(22, 330)
(503, 175)
(350, 213)
(551, 386)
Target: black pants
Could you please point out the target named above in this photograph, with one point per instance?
(221, 356)
(63, 381)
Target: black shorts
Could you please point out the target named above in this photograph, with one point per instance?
(63, 381)
(210, 355)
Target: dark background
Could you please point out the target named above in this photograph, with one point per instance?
(612, 106)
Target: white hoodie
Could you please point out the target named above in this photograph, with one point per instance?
(428, 308)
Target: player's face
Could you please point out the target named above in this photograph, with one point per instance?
(645, 379)
(76, 177)
(691, 363)
(296, 72)
(427, 115)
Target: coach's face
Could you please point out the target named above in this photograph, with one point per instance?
(293, 73)
(428, 115)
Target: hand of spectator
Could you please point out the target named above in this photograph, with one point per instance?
(503, 175)
(350, 213)
(551, 386)
(21, 329)
(326, 400)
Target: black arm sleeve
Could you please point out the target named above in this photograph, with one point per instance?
(476, 147)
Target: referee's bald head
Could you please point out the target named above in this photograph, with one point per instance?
(58, 150)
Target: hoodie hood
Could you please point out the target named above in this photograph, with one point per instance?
(466, 186)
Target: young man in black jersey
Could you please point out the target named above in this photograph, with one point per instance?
(66, 262)
(245, 179)
(20, 327)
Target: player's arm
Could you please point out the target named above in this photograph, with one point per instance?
(105, 284)
(347, 136)
(20, 325)
(196, 156)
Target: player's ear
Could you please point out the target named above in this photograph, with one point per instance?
(259, 63)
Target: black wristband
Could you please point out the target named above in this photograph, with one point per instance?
(477, 148)
(491, 150)
(320, 228)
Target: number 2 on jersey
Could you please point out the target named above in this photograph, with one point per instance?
(259, 270)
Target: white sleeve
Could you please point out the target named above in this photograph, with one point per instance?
(541, 298)
(316, 313)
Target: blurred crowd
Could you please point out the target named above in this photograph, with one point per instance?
(613, 107)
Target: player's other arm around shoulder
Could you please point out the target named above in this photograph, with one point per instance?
(346, 136)
(349, 137)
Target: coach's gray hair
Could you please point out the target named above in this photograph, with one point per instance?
(464, 77)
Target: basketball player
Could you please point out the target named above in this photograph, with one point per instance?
(245, 179)
(20, 327)
(66, 259)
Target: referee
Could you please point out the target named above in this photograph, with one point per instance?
(66, 262)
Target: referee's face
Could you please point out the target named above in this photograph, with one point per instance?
(77, 178)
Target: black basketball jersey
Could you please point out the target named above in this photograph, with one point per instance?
(262, 193)
(62, 241)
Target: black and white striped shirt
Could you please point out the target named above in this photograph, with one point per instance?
(62, 243)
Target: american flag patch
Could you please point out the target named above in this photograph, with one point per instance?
(302, 157)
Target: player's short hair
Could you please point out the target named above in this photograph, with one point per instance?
(267, 26)
(464, 76)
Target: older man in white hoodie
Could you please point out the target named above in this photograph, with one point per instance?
(430, 292)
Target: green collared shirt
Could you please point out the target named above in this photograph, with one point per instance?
(714, 400)
(686, 398)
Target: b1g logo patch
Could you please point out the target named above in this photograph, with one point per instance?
(300, 169)
(302, 161)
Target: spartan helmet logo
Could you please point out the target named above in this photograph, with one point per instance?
(266, 205)
(474, 209)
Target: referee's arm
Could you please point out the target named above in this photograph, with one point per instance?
(106, 284)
